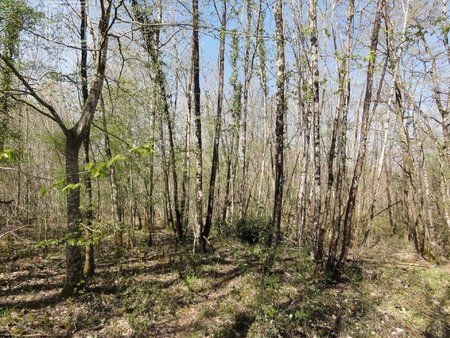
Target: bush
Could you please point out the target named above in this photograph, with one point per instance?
(253, 229)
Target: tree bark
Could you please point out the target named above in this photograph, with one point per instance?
(74, 138)
(340, 132)
(89, 264)
(74, 259)
(387, 118)
(218, 128)
(347, 225)
(151, 35)
(318, 226)
(198, 124)
(279, 125)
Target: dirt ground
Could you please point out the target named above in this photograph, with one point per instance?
(235, 290)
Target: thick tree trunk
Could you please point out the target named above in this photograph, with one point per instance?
(74, 260)
(89, 263)
(74, 138)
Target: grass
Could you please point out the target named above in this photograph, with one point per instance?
(234, 291)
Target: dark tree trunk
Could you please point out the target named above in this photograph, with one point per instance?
(218, 128)
(279, 125)
(89, 263)
(198, 123)
(340, 145)
(74, 260)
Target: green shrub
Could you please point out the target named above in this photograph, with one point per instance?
(253, 229)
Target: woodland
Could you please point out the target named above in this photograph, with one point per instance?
(224, 168)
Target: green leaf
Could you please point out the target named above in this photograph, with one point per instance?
(9, 155)
(144, 150)
(269, 311)
(445, 29)
(71, 186)
(371, 57)
(100, 170)
(59, 184)
(115, 159)
(47, 243)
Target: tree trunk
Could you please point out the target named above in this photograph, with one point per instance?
(89, 264)
(364, 135)
(318, 226)
(338, 148)
(151, 35)
(187, 147)
(279, 125)
(387, 121)
(218, 127)
(74, 261)
(198, 124)
(245, 93)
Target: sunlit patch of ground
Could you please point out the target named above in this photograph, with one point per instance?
(233, 291)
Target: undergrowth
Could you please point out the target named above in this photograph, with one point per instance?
(234, 290)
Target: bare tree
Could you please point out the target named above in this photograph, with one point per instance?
(218, 127)
(198, 122)
(279, 124)
(371, 62)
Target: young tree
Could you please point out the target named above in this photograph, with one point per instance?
(318, 226)
(339, 145)
(150, 30)
(371, 62)
(89, 263)
(235, 110)
(279, 124)
(218, 128)
(198, 122)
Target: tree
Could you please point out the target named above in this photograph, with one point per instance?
(198, 122)
(279, 124)
(218, 128)
(89, 263)
(151, 33)
(74, 137)
(235, 108)
(371, 62)
(339, 143)
(318, 225)
(16, 15)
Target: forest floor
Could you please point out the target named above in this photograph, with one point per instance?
(235, 290)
